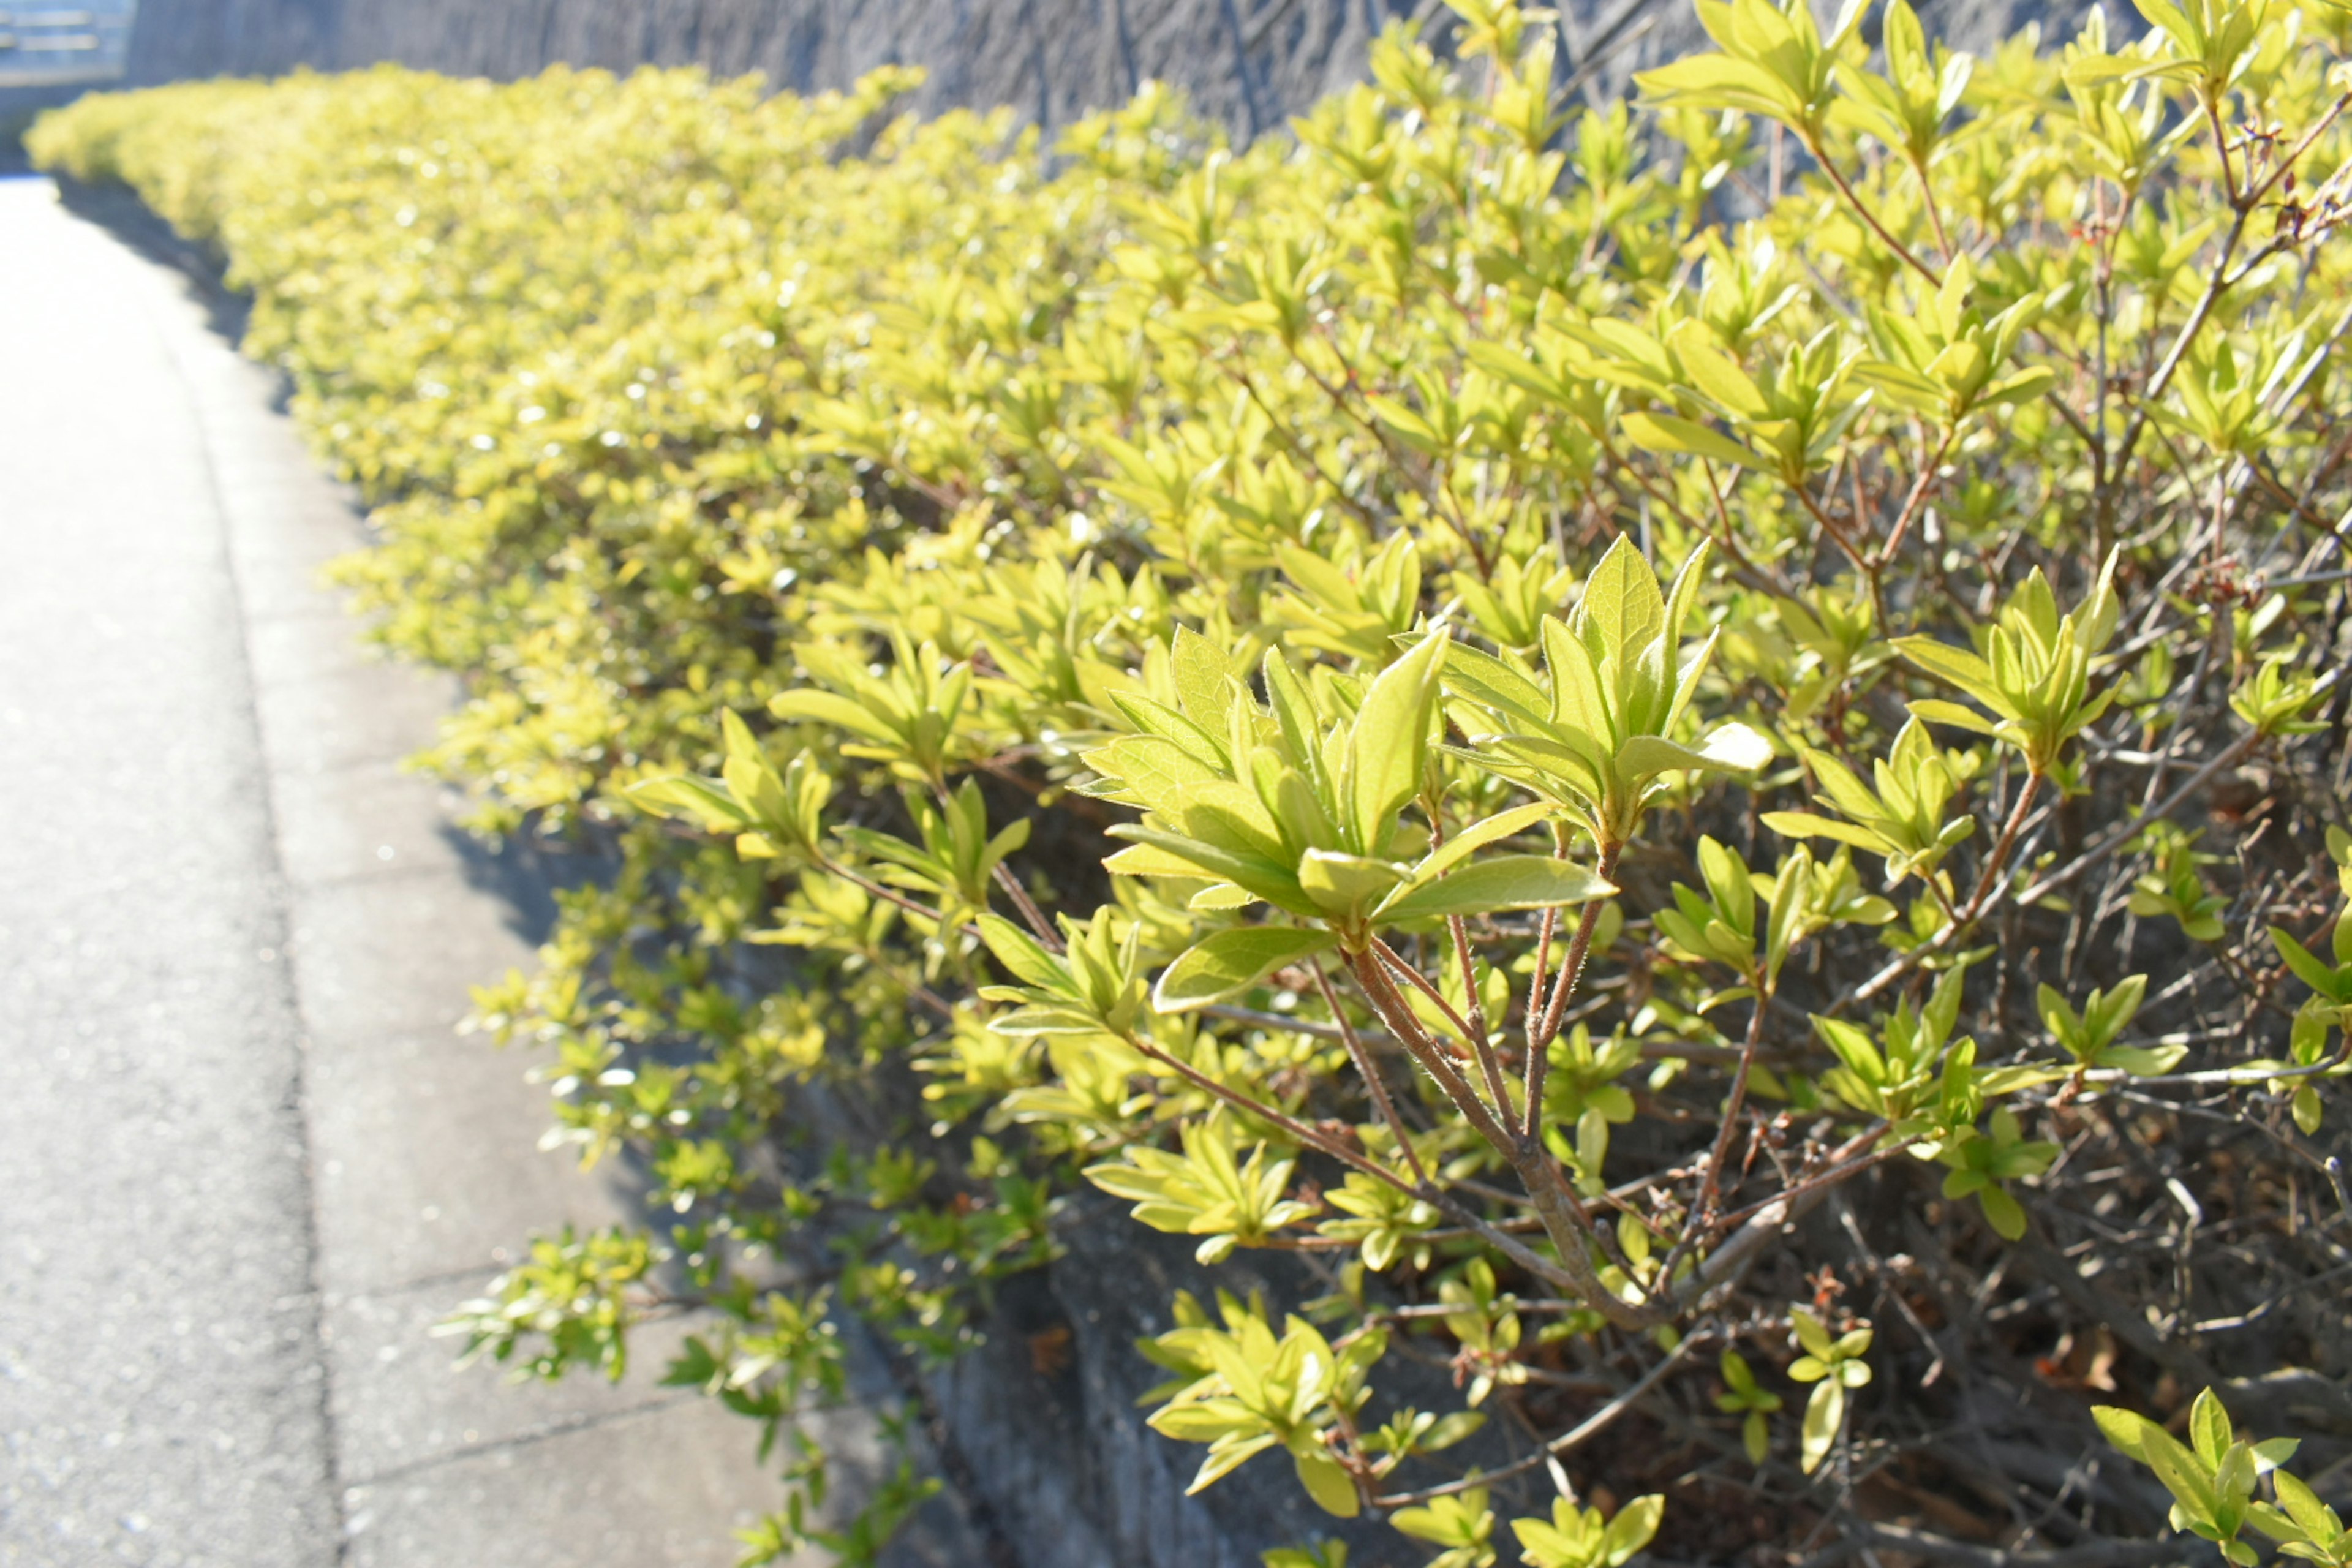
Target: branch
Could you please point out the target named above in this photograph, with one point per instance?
(2295, 153)
(1960, 1554)
(2001, 850)
(2214, 288)
(1592, 1425)
(1393, 1009)
(1539, 1038)
(1369, 1070)
(1300, 1133)
(1710, 1183)
(1821, 156)
(2117, 836)
(1030, 912)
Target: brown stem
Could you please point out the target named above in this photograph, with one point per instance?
(1934, 214)
(1885, 551)
(1550, 928)
(1763, 1223)
(888, 894)
(1539, 1037)
(1986, 887)
(1421, 983)
(2218, 285)
(2116, 836)
(2221, 150)
(1569, 1226)
(1566, 1223)
(1298, 1132)
(1829, 167)
(1282, 432)
(1419, 474)
(1369, 1071)
(1489, 1064)
(1390, 1005)
(1750, 575)
(2008, 841)
(1030, 912)
(1589, 1428)
(1711, 1183)
(2295, 153)
(1315, 1138)
(1854, 552)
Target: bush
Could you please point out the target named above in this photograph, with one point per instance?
(1695, 750)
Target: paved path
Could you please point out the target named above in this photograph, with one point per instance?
(245, 1162)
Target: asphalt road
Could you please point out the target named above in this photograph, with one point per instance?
(163, 1395)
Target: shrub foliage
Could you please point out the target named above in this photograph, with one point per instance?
(1695, 749)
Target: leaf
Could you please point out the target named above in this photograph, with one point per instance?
(1995, 1081)
(1502, 825)
(1155, 771)
(1505, 882)
(1904, 385)
(1824, 1414)
(2001, 1212)
(1346, 884)
(1151, 860)
(1963, 668)
(1204, 687)
(1633, 1528)
(1681, 594)
(1232, 961)
(1328, 1484)
(1482, 679)
(1736, 748)
(2186, 1475)
(1729, 748)
(1854, 1047)
(2302, 1505)
(1506, 364)
(1416, 431)
(2307, 968)
(1023, 954)
(693, 797)
(1643, 755)
(1714, 372)
(1937, 711)
(1673, 433)
(2122, 1428)
(809, 702)
(1223, 1460)
(1273, 883)
(2142, 1061)
(1391, 740)
(1158, 721)
(1805, 824)
(2209, 1427)
(1792, 883)
(1718, 81)
(1622, 601)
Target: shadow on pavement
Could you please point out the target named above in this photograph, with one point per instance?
(523, 871)
(118, 211)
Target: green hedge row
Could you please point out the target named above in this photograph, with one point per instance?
(1694, 749)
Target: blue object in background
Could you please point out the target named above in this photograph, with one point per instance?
(50, 43)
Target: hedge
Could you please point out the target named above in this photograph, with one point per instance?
(1694, 749)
